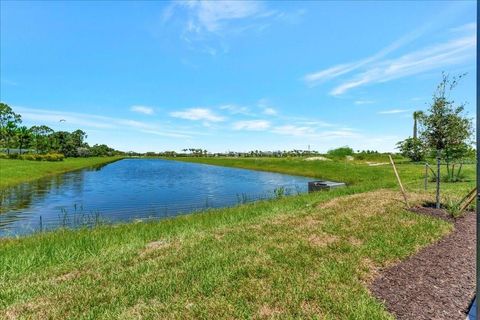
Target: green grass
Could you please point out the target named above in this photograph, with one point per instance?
(13, 172)
(305, 256)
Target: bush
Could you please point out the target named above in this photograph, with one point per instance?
(38, 157)
(341, 152)
(54, 157)
(3, 156)
(412, 148)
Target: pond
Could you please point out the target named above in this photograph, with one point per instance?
(132, 189)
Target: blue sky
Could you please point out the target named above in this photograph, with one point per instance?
(152, 76)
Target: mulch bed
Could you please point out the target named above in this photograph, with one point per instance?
(436, 283)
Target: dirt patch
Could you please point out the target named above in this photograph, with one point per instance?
(154, 246)
(433, 212)
(436, 283)
(267, 312)
(322, 240)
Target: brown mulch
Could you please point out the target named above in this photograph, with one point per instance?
(436, 283)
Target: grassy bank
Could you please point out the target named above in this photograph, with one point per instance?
(17, 171)
(302, 256)
(355, 173)
(306, 256)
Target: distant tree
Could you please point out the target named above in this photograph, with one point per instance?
(412, 148)
(40, 135)
(444, 128)
(77, 138)
(417, 115)
(24, 138)
(341, 152)
(9, 122)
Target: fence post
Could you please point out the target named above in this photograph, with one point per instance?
(426, 175)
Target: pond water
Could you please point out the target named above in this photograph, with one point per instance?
(133, 189)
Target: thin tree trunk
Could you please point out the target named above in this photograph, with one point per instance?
(459, 170)
(414, 127)
(437, 196)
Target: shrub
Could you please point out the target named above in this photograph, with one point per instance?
(38, 157)
(341, 152)
(3, 156)
(412, 148)
(54, 157)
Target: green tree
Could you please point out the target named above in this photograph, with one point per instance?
(77, 138)
(40, 135)
(444, 128)
(412, 148)
(341, 152)
(9, 122)
(417, 116)
(24, 138)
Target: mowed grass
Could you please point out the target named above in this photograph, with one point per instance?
(305, 256)
(13, 172)
(308, 256)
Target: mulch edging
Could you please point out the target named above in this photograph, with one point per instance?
(436, 283)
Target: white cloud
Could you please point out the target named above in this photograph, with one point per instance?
(85, 121)
(234, 109)
(292, 130)
(376, 68)
(198, 114)
(266, 108)
(269, 111)
(430, 58)
(212, 15)
(142, 109)
(311, 132)
(394, 111)
(251, 125)
(315, 78)
(360, 102)
(468, 27)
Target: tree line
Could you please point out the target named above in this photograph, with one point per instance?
(42, 139)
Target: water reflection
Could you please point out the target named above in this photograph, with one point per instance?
(133, 189)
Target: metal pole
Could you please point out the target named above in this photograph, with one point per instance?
(478, 170)
(426, 176)
(437, 198)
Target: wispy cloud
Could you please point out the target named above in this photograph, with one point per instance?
(83, 120)
(313, 133)
(142, 109)
(292, 130)
(206, 24)
(360, 102)
(377, 69)
(430, 58)
(266, 107)
(202, 114)
(394, 111)
(315, 78)
(269, 111)
(234, 109)
(252, 125)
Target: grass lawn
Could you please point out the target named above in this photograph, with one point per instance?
(17, 171)
(305, 256)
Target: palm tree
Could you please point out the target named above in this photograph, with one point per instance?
(417, 115)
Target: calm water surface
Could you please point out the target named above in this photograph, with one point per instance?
(133, 189)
